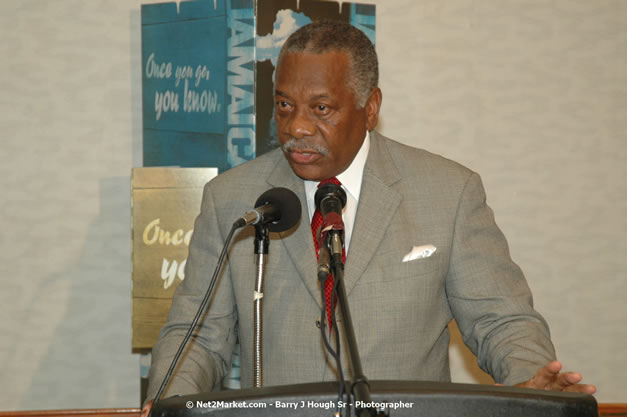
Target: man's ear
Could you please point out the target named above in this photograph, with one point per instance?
(372, 107)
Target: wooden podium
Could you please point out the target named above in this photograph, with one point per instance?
(399, 398)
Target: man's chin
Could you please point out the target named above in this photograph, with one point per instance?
(309, 172)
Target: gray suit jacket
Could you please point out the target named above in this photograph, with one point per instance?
(400, 309)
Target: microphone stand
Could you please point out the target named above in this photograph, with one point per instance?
(261, 250)
(360, 385)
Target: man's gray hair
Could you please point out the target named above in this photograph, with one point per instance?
(335, 36)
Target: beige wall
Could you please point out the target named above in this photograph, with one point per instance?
(532, 94)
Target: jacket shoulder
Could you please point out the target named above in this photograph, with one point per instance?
(420, 163)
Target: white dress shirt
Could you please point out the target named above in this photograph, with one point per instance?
(351, 183)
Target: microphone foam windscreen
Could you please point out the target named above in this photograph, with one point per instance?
(288, 204)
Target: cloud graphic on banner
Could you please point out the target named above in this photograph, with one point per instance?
(286, 23)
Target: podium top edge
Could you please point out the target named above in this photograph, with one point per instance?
(420, 388)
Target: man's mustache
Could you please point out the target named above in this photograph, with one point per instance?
(302, 145)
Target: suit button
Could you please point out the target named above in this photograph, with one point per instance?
(318, 323)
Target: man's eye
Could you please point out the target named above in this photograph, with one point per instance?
(321, 108)
(283, 104)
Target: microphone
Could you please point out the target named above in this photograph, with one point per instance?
(278, 208)
(330, 199)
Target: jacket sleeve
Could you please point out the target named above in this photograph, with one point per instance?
(207, 357)
(489, 296)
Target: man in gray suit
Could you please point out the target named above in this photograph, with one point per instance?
(399, 198)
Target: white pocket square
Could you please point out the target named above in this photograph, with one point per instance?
(419, 252)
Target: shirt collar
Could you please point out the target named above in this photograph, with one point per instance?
(352, 176)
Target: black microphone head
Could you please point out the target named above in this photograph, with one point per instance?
(288, 204)
(334, 197)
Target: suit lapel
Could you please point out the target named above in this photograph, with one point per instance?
(377, 204)
(298, 243)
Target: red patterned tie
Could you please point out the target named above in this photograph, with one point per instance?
(316, 222)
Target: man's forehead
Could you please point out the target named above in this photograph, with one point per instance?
(327, 58)
(305, 90)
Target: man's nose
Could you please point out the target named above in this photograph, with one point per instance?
(300, 125)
